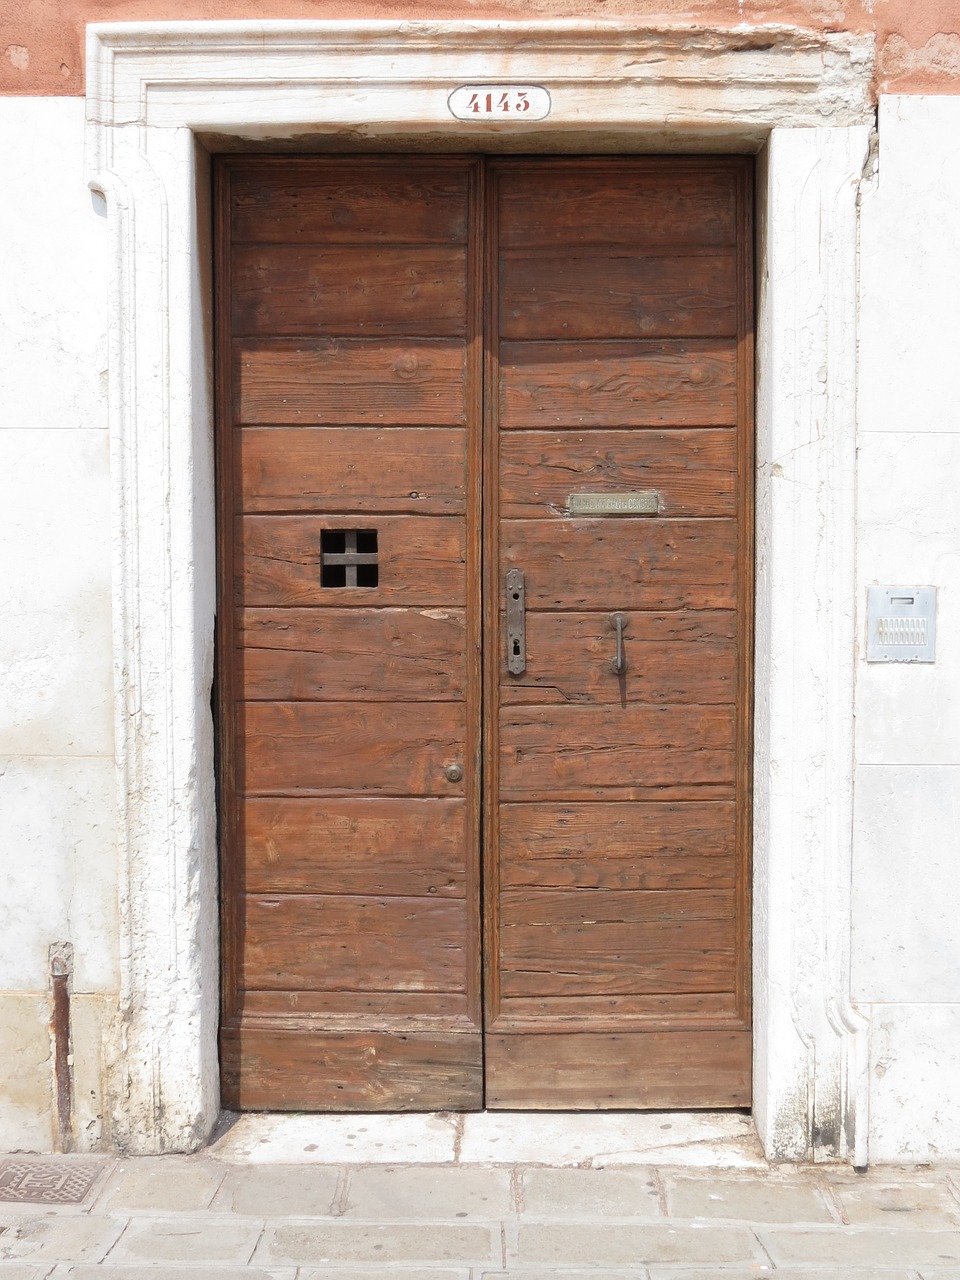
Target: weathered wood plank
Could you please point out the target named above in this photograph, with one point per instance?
(609, 958)
(570, 656)
(664, 202)
(647, 563)
(587, 752)
(349, 292)
(612, 293)
(669, 383)
(352, 748)
(338, 942)
(372, 847)
(421, 562)
(377, 655)
(336, 202)
(656, 1069)
(330, 469)
(363, 1010)
(269, 1069)
(618, 846)
(693, 471)
(676, 1010)
(341, 381)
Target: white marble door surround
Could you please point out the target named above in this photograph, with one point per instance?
(157, 94)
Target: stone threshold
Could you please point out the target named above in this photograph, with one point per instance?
(722, 1140)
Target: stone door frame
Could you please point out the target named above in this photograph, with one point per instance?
(160, 96)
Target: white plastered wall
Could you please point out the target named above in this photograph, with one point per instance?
(58, 879)
(906, 901)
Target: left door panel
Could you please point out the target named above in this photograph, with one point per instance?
(348, 353)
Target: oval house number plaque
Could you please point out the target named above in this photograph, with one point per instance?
(500, 102)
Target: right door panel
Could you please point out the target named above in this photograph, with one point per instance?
(617, 875)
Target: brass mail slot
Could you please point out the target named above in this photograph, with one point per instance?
(644, 503)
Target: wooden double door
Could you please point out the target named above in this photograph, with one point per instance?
(484, 656)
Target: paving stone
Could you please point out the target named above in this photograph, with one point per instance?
(187, 1238)
(780, 1273)
(57, 1237)
(863, 1246)
(278, 1191)
(630, 1245)
(306, 1243)
(161, 1183)
(428, 1192)
(898, 1204)
(22, 1273)
(176, 1273)
(633, 1273)
(745, 1198)
(590, 1193)
(404, 1274)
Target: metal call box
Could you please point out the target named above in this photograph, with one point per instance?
(901, 624)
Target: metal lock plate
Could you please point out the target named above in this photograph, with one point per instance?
(516, 639)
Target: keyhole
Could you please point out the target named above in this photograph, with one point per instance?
(516, 648)
(516, 595)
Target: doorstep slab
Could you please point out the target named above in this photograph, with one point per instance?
(262, 1138)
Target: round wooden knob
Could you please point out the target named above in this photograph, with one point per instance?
(453, 773)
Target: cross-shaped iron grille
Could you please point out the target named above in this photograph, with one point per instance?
(348, 558)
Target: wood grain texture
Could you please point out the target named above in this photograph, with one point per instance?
(706, 1010)
(682, 657)
(653, 204)
(588, 752)
(618, 846)
(358, 748)
(349, 292)
(341, 381)
(268, 1068)
(665, 1069)
(337, 202)
(372, 847)
(327, 469)
(375, 655)
(611, 293)
(647, 563)
(618, 384)
(694, 472)
(421, 562)
(356, 943)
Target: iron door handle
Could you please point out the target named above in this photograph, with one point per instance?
(619, 663)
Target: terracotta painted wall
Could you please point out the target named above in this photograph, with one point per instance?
(918, 41)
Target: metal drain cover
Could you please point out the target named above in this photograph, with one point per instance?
(47, 1181)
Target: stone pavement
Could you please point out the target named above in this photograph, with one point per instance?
(360, 1202)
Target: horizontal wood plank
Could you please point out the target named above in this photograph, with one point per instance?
(610, 293)
(706, 1009)
(642, 205)
(332, 469)
(694, 472)
(268, 1069)
(377, 655)
(654, 1069)
(617, 384)
(609, 958)
(365, 1010)
(372, 847)
(384, 847)
(339, 942)
(584, 752)
(349, 292)
(359, 748)
(421, 562)
(570, 655)
(330, 201)
(648, 563)
(618, 846)
(341, 381)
